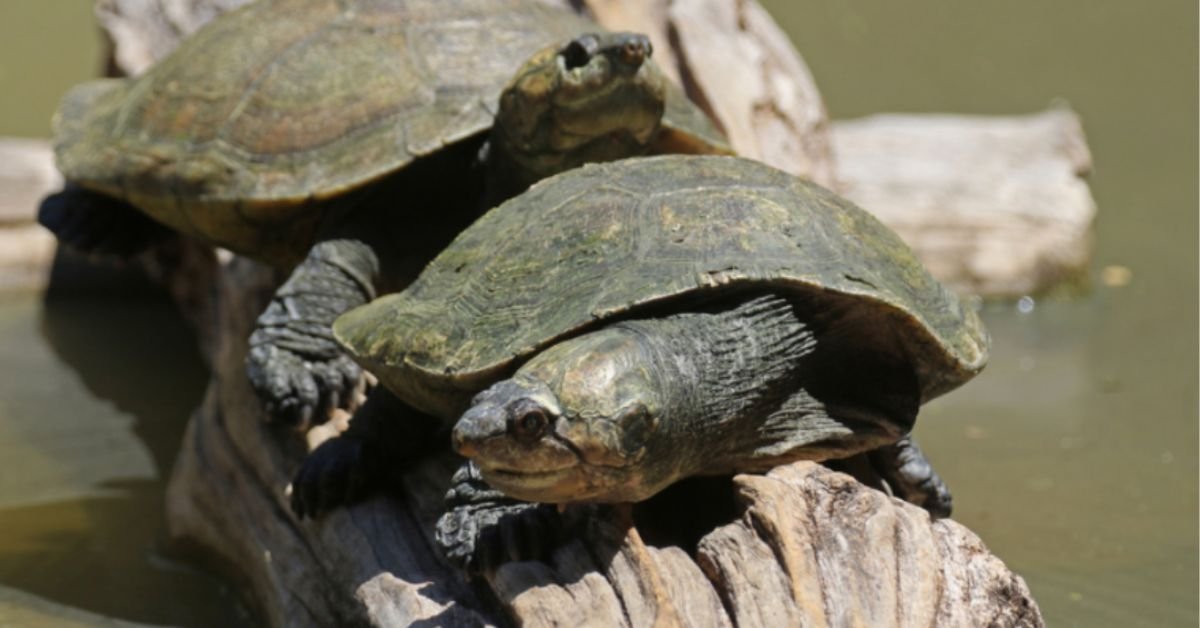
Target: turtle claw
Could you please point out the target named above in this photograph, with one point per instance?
(482, 528)
(333, 475)
(299, 392)
(911, 477)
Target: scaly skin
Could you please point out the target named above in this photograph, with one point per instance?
(619, 414)
(911, 477)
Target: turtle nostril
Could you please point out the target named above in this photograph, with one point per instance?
(579, 52)
(635, 52)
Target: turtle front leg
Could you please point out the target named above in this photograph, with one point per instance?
(295, 366)
(384, 438)
(911, 477)
(483, 527)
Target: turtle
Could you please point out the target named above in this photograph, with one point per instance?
(301, 132)
(621, 326)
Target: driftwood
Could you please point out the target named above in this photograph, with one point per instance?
(993, 205)
(735, 62)
(26, 250)
(804, 545)
(141, 32)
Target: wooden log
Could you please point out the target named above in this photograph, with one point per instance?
(993, 205)
(807, 545)
(738, 65)
(27, 174)
(141, 32)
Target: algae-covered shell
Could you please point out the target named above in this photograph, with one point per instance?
(646, 236)
(285, 102)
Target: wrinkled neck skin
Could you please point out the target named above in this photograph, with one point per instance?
(597, 98)
(723, 374)
(634, 407)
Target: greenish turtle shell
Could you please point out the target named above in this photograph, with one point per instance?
(285, 102)
(643, 236)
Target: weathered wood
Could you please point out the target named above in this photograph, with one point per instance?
(26, 253)
(226, 497)
(810, 547)
(735, 62)
(738, 62)
(141, 32)
(993, 205)
(27, 173)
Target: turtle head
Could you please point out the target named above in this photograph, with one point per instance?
(574, 424)
(599, 97)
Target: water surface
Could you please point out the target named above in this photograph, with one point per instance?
(1074, 454)
(97, 389)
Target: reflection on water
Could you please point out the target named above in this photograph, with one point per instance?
(96, 393)
(1074, 454)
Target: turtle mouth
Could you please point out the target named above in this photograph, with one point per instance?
(523, 480)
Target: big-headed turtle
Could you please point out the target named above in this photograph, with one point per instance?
(621, 326)
(345, 136)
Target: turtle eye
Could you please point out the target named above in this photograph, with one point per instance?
(528, 424)
(577, 53)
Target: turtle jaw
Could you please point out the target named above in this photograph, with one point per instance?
(582, 483)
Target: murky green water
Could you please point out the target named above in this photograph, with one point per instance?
(95, 393)
(1074, 455)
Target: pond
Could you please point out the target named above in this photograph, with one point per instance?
(1074, 455)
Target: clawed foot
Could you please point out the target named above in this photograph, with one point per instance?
(295, 366)
(912, 478)
(334, 474)
(300, 391)
(482, 528)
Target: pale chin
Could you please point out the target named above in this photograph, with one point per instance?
(556, 486)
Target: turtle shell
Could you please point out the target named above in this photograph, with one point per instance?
(643, 236)
(283, 102)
